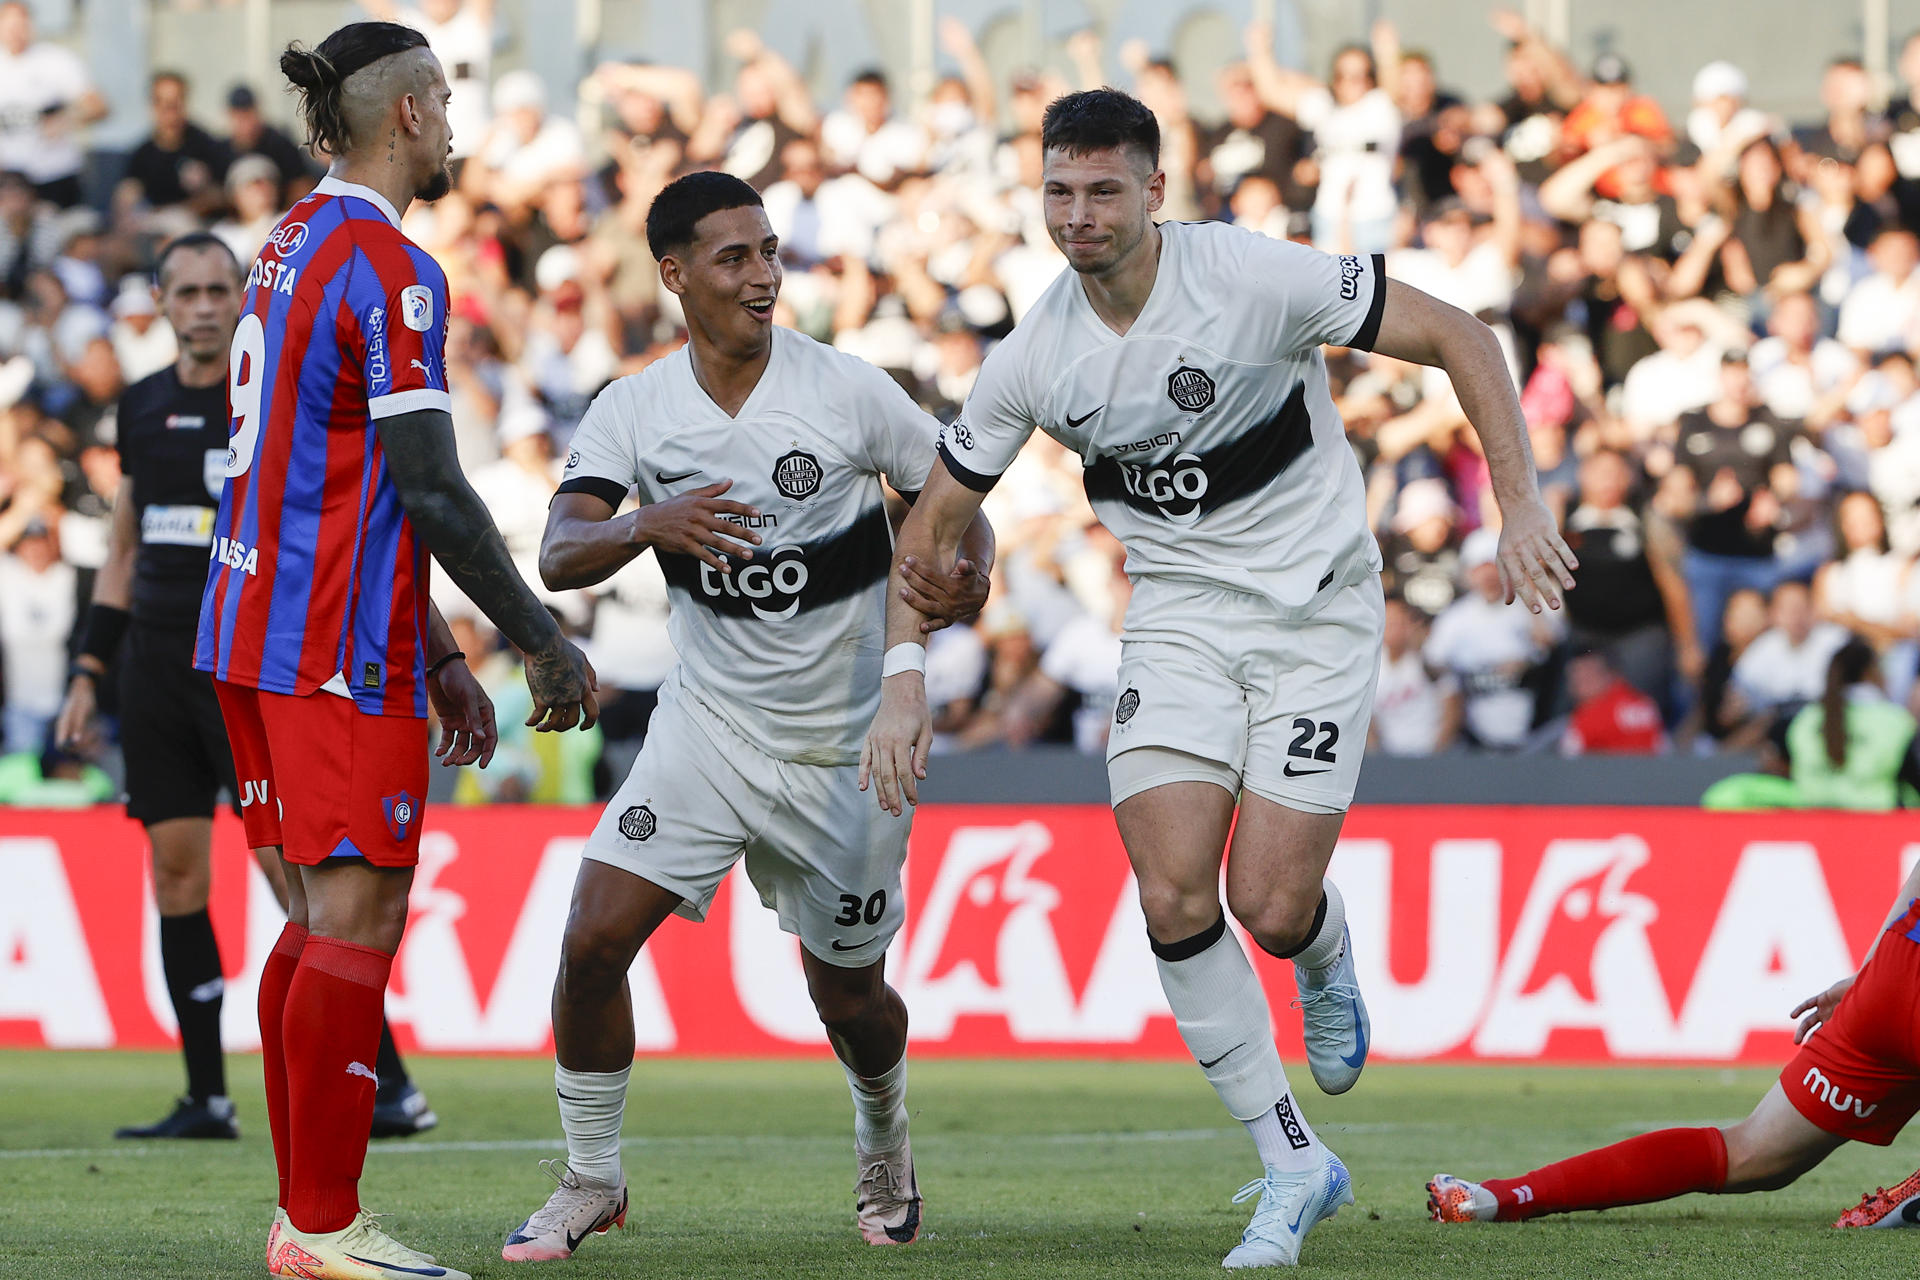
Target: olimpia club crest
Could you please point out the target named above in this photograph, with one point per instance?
(1190, 388)
(797, 474)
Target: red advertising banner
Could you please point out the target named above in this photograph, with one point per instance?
(1588, 934)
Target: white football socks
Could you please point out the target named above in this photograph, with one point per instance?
(591, 1106)
(1222, 1014)
(1328, 942)
(879, 1107)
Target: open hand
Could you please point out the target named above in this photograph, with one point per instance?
(1819, 1009)
(693, 524)
(562, 683)
(894, 756)
(468, 734)
(1536, 565)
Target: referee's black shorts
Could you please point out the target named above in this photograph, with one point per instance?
(171, 733)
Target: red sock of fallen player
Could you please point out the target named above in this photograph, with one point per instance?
(1653, 1166)
(275, 977)
(332, 1036)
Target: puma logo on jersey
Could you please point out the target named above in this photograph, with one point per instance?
(361, 1069)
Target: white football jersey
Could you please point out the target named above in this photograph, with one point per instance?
(1211, 445)
(787, 647)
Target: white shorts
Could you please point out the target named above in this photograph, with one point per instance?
(823, 854)
(1283, 706)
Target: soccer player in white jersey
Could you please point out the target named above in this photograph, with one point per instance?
(1182, 363)
(778, 614)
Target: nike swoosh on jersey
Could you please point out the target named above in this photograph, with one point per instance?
(1292, 772)
(1073, 422)
(839, 565)
(1234, 470)
(855, 947)
(664, 478)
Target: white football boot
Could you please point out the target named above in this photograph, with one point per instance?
(1290, 1205)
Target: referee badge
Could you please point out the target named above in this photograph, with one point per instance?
(400, 809)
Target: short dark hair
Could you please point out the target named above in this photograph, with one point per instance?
(320, 73)
(1100, 120)
(873, 76)
(194, 240)
(165, 74)
(677, 210)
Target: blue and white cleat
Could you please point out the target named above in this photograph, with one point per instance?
(1290, 1205)
(1336, 1023)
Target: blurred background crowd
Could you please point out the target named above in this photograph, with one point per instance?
(1711, 312)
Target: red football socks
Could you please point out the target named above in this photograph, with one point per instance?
(1653, 1166)
(331, 1033)
(275, 977)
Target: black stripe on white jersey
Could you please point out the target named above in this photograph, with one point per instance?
(1186, 486)
(784, 579)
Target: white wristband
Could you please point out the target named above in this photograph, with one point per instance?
(906, 656)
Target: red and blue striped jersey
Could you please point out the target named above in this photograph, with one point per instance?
(315, 571)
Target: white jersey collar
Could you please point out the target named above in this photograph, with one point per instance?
(332, 186)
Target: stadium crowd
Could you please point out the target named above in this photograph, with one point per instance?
(1712, 321)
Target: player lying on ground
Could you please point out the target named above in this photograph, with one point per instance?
(758, 455)
(1856, 1078)
(173, 443)
(1182, 363)
(341, 477)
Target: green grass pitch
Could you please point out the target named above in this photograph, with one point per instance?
(744, 1169)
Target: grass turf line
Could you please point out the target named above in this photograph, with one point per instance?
(744, 1169)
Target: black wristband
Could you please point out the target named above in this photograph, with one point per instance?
(433, 668)
(75, 671)
(106, 626)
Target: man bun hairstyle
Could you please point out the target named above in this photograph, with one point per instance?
(1100, 120)
(677, 210)
(320, 74)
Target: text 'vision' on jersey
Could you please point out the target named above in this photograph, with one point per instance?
(786, 648)
(314, 570)
(1211, 444)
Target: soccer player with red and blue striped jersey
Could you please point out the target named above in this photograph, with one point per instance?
(341, 478)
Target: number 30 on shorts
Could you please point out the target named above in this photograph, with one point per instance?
(852, 910)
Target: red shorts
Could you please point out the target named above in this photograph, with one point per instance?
(1859, 1076)
(322, 781)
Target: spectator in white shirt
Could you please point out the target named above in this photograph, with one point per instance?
(862, 135)
(1880, 311)
(1415, 713)
(1684, 374)
(1787, 665)
(1798, 373)
(1490, 647)
(143, 341)
(37, 606)
(45, 98)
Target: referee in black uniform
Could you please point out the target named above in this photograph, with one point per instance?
(173, 444)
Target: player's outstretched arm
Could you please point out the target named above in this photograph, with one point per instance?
(894, 757)
(586, 543)
(453, 522)
(1535, 564)
(959, 594)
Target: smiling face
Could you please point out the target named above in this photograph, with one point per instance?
(728, 277)
(1099, 205)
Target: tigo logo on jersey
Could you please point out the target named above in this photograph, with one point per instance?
(416, 307)
(287, 238)
(1190, 388)
(638, 823)
(400, 809)
(961, 433)
(771, 587)
(1175, 487)
(797, 474)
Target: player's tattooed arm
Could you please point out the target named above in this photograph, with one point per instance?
(1536, 564)
(450, 518)
(586, 543)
